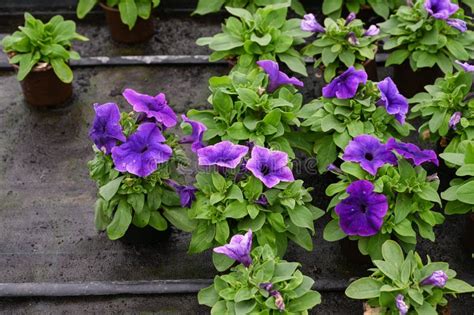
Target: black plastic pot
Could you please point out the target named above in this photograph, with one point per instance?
(146, 235)
(42, 87)
(351, 252)
(120, 32)
(411, 82)
(468, 237)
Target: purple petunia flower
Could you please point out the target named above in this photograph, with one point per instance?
(309, 24)
(276, 77)
(437, 279)
(458, 24)
(352, 39)
(142, 152)
(262, 200)
(186, 193)
(401, 305)
(412, 152)
(369, 152)
(267, 286)
(196, 136)
(440, 9)
(454, 120)
(373, 30)
(238, 248)
(395, 103)
(465, 66)
(154, 107)
(106, 129)
(351, 17)
(269, 166)
(224, 154)
(279, 302)
(363, 211)
(345, 86)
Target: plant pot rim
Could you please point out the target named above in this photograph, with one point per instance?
(106, 7)
(39, 67)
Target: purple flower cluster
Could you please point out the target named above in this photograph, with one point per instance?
(401, 305)
(465, 66)
(345, 86)
(395, 103)
(309, 24)
(238, 249)
(276, 77)
(440, 9)
(106, 129)
(279, 302)
(223, 154)
(186, 193)
(371, 154)
(197, 134)
(437, 279)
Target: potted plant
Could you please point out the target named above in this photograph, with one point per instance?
(341, 44)
(350, 106)
(446, 110)
(265, 34)
(425, 39)
(459, 195)
(404, 285)
(129, 21)
(261, 283)
(40, 53)
(334, 9)
(135, 158)
(237, 192)
(259, 106)
(383, 193)
(205, 6)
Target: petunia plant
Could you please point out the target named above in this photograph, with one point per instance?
(237, 192)
(135, 158)
(350, 106)
(459, 195)
(265, 34)
(383, 193)
(429, 33)
(43, 44)
(340, 44)
(130, 10)
(206, 6)
(447, 110)
(261, 284)
(259, 106)
(401, 285)
(334, 8)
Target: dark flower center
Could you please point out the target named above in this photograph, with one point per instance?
(363, 208)
(369, 156)
(144, 149)
(265, 170)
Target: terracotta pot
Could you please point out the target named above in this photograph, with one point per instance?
(411, 82)
(468, 237)
(444, 310)
(350, 250)
(369, 310)
(146, 235)
(42, 87)
(141, 32)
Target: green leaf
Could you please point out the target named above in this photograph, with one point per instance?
(364, 289)
(458, 286)
(121, 221)
(208, 296)
(242, 13)
(238, 131)
(397, 57)
(180, 219)
(206, 6)
(262, 41)
(306, 302)
(128, 12)
(330, 6)
(110, 189)
(221, 262)
(137, 201)
(296, 64)
(392, 252)
(157, 221)
(222, 42)
(301, 217)
(222, 232)
(244, 307)
(62, 70)
(388, 268)
(243, 294)
(429, 193)
(347, 57)
(84, 7)
(332, 231)
(465, 193)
